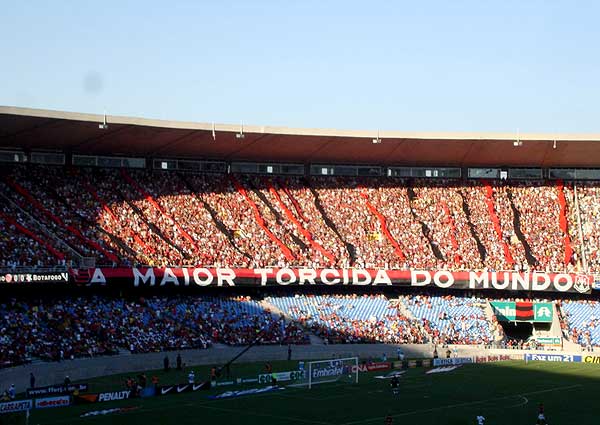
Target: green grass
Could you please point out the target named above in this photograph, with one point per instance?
(506, 393)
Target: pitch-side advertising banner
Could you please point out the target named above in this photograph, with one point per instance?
(553, 357)
(267, 378)
(50, 402)
(591, 359)
(452, 362)
(16, 406)
(226, 277)
(33, 278)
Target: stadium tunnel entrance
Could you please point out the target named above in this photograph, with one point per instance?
(524, 330)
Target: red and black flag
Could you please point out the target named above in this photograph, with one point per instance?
(524, 311)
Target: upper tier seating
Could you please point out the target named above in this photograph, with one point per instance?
(123, 217)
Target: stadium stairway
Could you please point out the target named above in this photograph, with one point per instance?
(153, 227)
(404, 310)
(213, 214)
(489, 194)
(314, 340)
(316, 246)
(450, 221)
(22, 229)
(350, 248)
(70, 228)
(480, 247)
(383, 224)
(156, 205)
(260, 220)
(424, 228)
(292, 199)
(489, 315)
(563, 223)
(531, 260)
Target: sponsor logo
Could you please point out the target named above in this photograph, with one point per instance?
(108, 411)
(451, 362)
(44, 403)
(582, 283)
(230, 394)
(280, 377)
(112, 396)
(182, 388)
(330, 371)
(34, 277)
(490, 359)
(372, 367)
(443, 369)
(57, 390)
(592, 359)
(397, 374)
(553, 357)
(16, 406)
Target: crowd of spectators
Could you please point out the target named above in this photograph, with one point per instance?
(390, 197)
(539, 217)
(452, 320)
(62, 328)
(19, 247)
(302, 202)
(350, 319)
(72, 327)
(341, 200)
(588, 195)
(34, 189)
(163, 218)
(582, 321)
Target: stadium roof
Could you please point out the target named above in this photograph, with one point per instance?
(37, 129)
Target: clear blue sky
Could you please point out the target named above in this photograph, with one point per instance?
(420, 65)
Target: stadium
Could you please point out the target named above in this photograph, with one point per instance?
(174, 272)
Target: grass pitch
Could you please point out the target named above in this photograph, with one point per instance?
(505, 393)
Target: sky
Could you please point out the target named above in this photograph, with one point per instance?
(527, 65)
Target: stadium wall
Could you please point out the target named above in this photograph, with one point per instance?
(53, 373)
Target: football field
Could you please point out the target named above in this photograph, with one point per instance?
(505, 393)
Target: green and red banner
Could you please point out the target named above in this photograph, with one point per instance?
(523, 311)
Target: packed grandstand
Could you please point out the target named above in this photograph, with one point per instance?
(88, 221)
(51, 215)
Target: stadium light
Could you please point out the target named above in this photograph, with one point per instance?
(240, 135)
(104, 124)
(377, 140)
(517, 143)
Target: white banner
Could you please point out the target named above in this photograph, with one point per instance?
(267, 378)
(452, 362)
(16, 406)
(45, 403)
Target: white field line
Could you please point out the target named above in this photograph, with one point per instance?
(470, 403)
